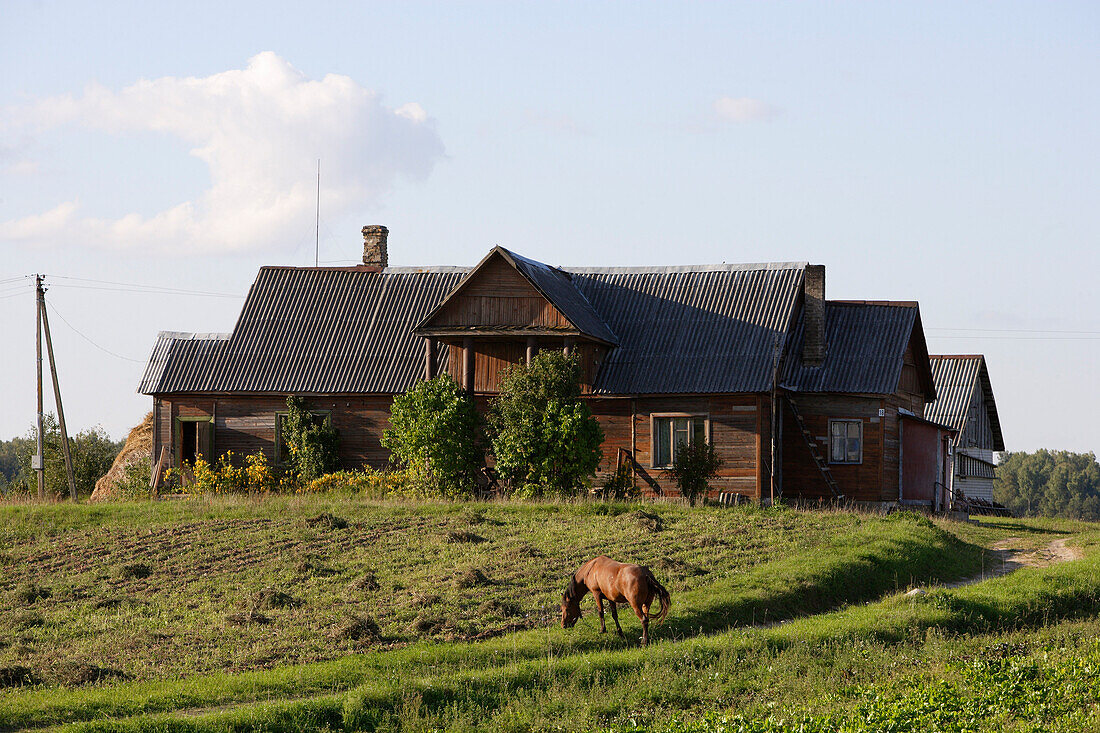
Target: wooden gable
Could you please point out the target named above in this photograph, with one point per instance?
(496, 297)
(916, 382)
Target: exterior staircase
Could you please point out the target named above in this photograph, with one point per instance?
(815, 451)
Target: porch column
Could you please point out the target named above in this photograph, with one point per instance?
(429, 358)
(468, 364)
(532, 348)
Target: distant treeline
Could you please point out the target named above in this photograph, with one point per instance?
(92, 450)
(1050, 484)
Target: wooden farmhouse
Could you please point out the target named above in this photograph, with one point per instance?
(752, 357)
(965, 403)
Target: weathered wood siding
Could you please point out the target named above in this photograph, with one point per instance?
(860, 482)
(977, 433)
(734, 423)
(500, 296)
(246, 425)
(492, 356)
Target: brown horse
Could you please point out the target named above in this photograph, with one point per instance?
(618, 583)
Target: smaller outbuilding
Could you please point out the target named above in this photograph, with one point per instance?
(965, 402)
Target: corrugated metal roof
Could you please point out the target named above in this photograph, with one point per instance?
(957, 377)
(179, 357)
(347, 330)
(865, 349)
(684, 330)
(314, 330)
(557, 286)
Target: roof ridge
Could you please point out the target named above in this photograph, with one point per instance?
(666, 269)
(890, 303)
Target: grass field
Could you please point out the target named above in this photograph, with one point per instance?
(333, 613)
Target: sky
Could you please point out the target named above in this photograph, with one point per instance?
(154, 155)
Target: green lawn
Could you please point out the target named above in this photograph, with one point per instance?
(455, 649)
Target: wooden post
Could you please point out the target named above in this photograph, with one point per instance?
(57, 399)
(429, 358)
(532, 348)
(468, 364)
(39, 462)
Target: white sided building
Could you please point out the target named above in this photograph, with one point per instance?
(964, 401)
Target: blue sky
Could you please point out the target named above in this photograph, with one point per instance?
(947, 153)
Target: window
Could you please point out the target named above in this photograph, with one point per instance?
(672, 431)
(845, 441)
(320, 417)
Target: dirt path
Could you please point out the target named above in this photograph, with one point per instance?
(1009, 556)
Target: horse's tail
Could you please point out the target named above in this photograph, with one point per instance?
(662, 594)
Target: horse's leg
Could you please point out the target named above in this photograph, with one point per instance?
(599, 604)
(615, 617)
(642, 613)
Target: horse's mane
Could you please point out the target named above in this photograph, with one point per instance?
(573, 589)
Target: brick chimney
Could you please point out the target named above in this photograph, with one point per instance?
(813, 336)
(374, 246)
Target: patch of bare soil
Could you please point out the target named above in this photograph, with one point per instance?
(1009, 556)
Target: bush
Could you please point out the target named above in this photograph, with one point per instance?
(135, 480)
(544, 438)
(257, 476)
(695, 464)
(313, 445)
(435, 435)
(367, 482)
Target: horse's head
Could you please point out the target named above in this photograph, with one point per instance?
(570, 605)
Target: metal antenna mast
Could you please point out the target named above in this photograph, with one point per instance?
(317, 221)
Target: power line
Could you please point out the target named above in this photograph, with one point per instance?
(1025, 338)
(93, 343)
(142, 287)
(1012, 330)
(13, 279)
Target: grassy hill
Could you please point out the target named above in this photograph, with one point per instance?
(334, 613)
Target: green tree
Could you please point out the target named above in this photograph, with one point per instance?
(544, 437)
(435, 432)
(311, 441)
(1050, 484)
(92, 452)
(695, 464)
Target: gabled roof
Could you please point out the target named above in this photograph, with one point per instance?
(552, 283)
(866, 343)
(311, 331)
(957, 378)
(684, 329)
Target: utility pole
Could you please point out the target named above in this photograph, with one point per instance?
(57, 398)
(37, 460)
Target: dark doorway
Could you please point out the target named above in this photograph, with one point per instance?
(188, 441)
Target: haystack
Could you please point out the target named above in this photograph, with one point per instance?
(138, 447)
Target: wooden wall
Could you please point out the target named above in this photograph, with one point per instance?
(246, 425)
(493, 355)
(735, 426)
(859, 482)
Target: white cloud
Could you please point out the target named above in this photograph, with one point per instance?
(260, 131)
(744, 109)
